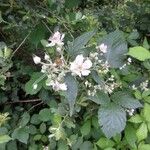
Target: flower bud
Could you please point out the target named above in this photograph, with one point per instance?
(36, 59)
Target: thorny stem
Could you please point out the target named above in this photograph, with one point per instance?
(24, 101)
(20, 44)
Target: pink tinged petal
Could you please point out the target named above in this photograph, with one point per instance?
(87, 64)
(85, 72)
(79, 59)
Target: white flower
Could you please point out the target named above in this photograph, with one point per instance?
(80, 66)
(35, 86)
(36, 59)
(46, 57)
(130, 112)
(56, 39)
(102, 48)
(57, 86)
(129, 60)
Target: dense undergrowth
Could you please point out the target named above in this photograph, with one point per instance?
(74, 74)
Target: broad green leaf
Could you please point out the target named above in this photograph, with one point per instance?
(25, 119)
(144, 146)
(112, 118)
(4, 138)
(72, 91)
(142, 132)
(105, 143)
(36, 78)
(139, 53)
(100, 98)
(136, 119)
(21, 134)
(97, 78)
(62, 145)
(116, 48)
(125, 100)
(45, 115)
(130, 135)
(37, 34)
(35, 119)
(86, 145)
(80, 42)
(86, 128)
(146, 112)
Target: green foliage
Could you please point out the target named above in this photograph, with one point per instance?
(107, 110)
(112, 118)
(117, 48)
(139, 53)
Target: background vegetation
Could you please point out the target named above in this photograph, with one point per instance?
(29, 116)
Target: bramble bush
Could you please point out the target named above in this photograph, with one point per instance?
(74, 75)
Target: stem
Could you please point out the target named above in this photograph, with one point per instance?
(24, 101)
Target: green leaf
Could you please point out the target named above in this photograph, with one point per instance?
(116, 48)
(145, 43)
(35, 119)
(142, 132)
(37, 34)
(125, 100)
(146, 112)
(25, 119)
(105, 143)
(86, 128)
(97, 78)
(80, 42)
(112, 118)
(43, 128)
(21, 134)
(4, 138)
(136, 119)
(130, 135)
(100, 98)
(72, 3)
(45, 115)
(144, 147)
(139, 53)
(36, 78)
(86, 145)
(72, 91)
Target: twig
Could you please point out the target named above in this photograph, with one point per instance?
(35, 106)
(20, 44)
(24, 101)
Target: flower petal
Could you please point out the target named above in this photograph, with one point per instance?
(87, 64)
(79, 59)
(85, 72)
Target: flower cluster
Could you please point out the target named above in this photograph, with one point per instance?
(107, 86)
(56, 69)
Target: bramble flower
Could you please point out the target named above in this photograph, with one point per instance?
(36, 59)
(58, 86)
(129, 61)
(102, 48)
(144, 85)
(56, 39)
(130, 112)
(80, 66)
